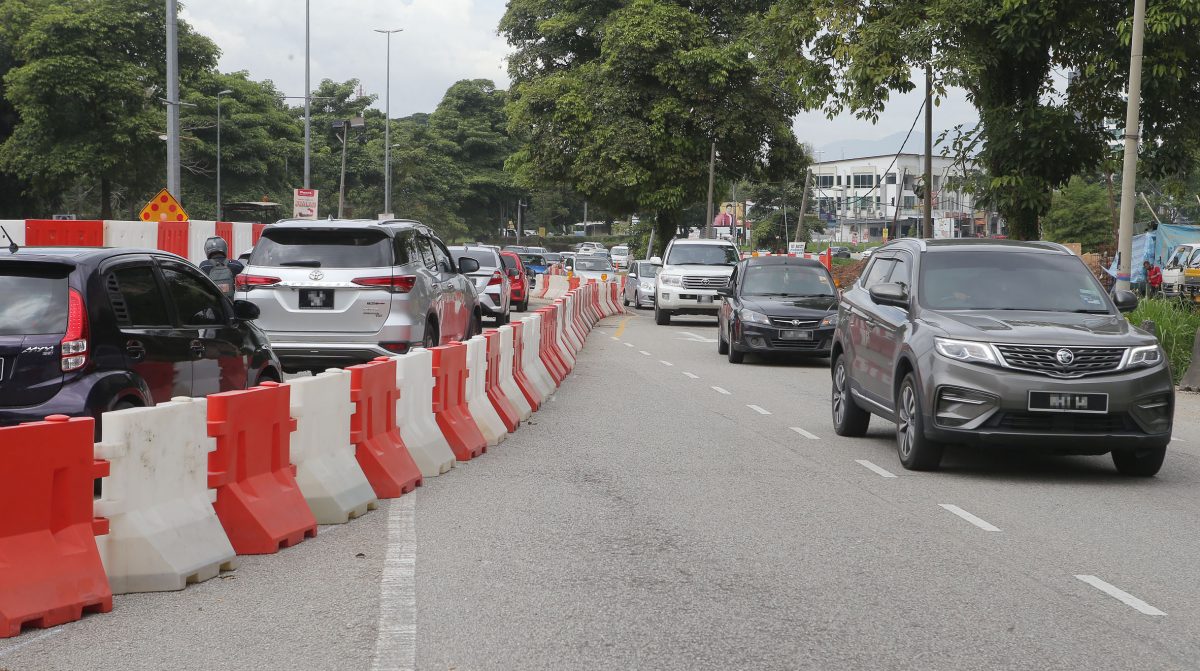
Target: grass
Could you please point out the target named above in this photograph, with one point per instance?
(1176, 322)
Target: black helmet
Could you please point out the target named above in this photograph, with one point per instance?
(214, 246)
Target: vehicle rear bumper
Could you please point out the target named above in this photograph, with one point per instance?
(300, 356)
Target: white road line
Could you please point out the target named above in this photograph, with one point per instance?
(881, 472)
(1179, 439)
(982, 524)
(806, 434)
(692, 375)
(396, 642)
(665, 363)
(644, 352)
(629, 344)
(760, 410)
(721, 391)
(1121, 595)
(614, 337)
(40, 637)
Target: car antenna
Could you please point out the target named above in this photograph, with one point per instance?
(12, 244)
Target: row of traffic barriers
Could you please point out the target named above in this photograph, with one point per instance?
(189, 485)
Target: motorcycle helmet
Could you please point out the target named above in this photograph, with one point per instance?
(214, 246)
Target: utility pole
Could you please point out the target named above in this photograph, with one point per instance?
(927, 224)
(1129, 176)
(899, 201)
(803, 205)
(342, 185)
(735, 231)
(521, 206)
(307, 103)
(219, 94)
(785, 224)
(387, 127)
(172, 102)
(712, 167)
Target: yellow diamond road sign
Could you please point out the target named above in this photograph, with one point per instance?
(163, 207)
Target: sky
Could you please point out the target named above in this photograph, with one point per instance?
(445, 41)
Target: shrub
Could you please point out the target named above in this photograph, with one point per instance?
(1176, 322)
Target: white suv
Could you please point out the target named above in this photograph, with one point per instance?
(693, 271)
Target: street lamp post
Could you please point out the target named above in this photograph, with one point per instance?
(345, 126)
(219, 94)
(173, 102)
(307, 101)
(387, 127)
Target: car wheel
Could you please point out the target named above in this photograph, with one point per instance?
(734, 354)
(474, 327)
(523, 306)
(917, 453)
(848, 419)
(625, 299)
(722, 344)
(1141, 462)
(662, 317)
(431, 339)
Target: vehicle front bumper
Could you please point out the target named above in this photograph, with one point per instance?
(1004, 419)
(687, 301)
(762, 338)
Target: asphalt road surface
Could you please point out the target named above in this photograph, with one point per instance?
(669, 510)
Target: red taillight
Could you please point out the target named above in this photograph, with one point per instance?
(400, 284)
(75, 342)
(245, 281)
(497, 279)
(397, 347)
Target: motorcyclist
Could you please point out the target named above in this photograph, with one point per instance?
(218, 266)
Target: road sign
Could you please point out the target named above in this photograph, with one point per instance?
(304, 203)
(795, 248)
(163, 207)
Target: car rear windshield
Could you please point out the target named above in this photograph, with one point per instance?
(552, 258)
(509, 262)
(978, 280)
(786, 280)
(593, 263)
(702, 255)
(322, 248)
(34, 300)
(485, 257)
(533, 259)
(620, 249)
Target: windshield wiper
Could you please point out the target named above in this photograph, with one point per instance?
(1091, 312)
(307, 263)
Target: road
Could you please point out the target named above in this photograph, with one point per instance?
(669, 510)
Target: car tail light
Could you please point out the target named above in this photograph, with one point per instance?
(497, 279)
(398, 284)
(245, 282)
(75, 342)
(395, 347)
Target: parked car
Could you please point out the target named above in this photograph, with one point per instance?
(535, 262)
(594, 267)
(692, 273)
(520, 278)
(492, 282)
(639, 283)
(335, 292)
(620, 256)
(839, 252)
(777, 304)
(88, 330)
(998, 343)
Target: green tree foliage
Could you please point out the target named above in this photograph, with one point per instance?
(620, 100)
(851, 55)
(1079, 213)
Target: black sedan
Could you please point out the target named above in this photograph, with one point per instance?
(777, 304)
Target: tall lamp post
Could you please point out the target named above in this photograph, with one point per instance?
(307, 100)
(387, 127)
(219, 94)
(345, 126)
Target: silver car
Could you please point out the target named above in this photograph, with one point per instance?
(491, 281)
(342, 292)
(639, 284)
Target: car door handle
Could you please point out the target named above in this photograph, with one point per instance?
(135, 350)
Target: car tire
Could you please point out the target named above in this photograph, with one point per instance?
(474, 327)
(722, 344)
(734, 354)
(848, 419)
(917, 453)
(523, 306)
(1142, 462)
(662, 317)
(432, 337)
(624, 300)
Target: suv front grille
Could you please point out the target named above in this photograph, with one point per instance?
(785, 323)
(1115, 422)
(1044, 359)
(702, 282)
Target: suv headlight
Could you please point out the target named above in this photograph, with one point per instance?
(753, 317)
(648, 285)
(1150, 355)
(831, 320)
(966, 350)
(671, 280)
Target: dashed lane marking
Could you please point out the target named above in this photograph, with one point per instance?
(644, 352)
(759, 409)
(881, 472)
(1121, 595)
(981, 523)
(692, 375)
(665, 363)
(396, 642)
(721, 391)
(30, 641)
(629, 344)
(806, 434)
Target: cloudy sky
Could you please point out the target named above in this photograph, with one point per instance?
(443, 41)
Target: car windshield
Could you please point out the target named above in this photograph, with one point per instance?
(35, 301)
(593, 263)
(786, 280)
(620, 249)
(486, 258)
(702, 255)
(552, 258)
(977, 280)
(533, 259)
(322, 248)
(649, 270)
(1195, 260)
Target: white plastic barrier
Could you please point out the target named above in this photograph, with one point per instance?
(559, 285)
(327, 471)
(414, 414)
(508, 383)
(490, 424)
(198, 232)
(564, 318)
(163, 531)
(243, 239)
(567, 330)
(138, 234)
(574, 324)
(16, 231)
(533, 366)
(606, 299)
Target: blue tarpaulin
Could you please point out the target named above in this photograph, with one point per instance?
(1143, 249)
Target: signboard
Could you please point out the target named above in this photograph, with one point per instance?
(64, 217)
(943, 228)
(885, 234)
(304, 203)
(541, 231)
(163, 207)
(385, 216)
(795, 248)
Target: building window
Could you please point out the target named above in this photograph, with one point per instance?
(824, 181)
(864, 181)
(891, 178)
(910, 202)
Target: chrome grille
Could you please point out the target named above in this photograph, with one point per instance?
(785, 323)
(702, 282)
(1044, 359)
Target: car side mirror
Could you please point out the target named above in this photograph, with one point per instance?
(1126, 301)
(890, 294)
(467, 264)
(247, 311)
(514, 273)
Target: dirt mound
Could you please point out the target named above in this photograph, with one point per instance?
(845, 275)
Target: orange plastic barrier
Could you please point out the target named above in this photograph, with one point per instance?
(380, 450)
(572, 283)
(527, 387)
(50, 569)
(64, 233)
(258, 501)
(549, 345)
(450, 402)
(173, 237)
(504, 407)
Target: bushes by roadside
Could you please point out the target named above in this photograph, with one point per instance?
(1176, 322)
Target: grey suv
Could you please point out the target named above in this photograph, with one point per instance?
(1002, 343)
(341, 292)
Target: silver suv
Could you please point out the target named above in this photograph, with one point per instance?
(692, 272)
(491, 280)
(341, 292)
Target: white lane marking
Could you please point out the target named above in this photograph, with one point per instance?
(881, 472)
(694, 338)
(721, 391)
(614, 337)
(665, 363)
(644, 352)
(40, 637)
(1179, 439)
(396, 642)
(629, 344)
(806, 434)
(1121, 595)
(982, 524)
(760, 410)
(692, 375)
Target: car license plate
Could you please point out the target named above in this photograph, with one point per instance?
(795, 335)
(316, 299)
(704, 299)
(1052, 401)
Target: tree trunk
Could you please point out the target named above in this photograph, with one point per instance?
(1022, 224)
(666, 224)
(105, 198)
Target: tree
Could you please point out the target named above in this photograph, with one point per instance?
(621, 100)
(1079, 213)
(851, 55)
(770, 200)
